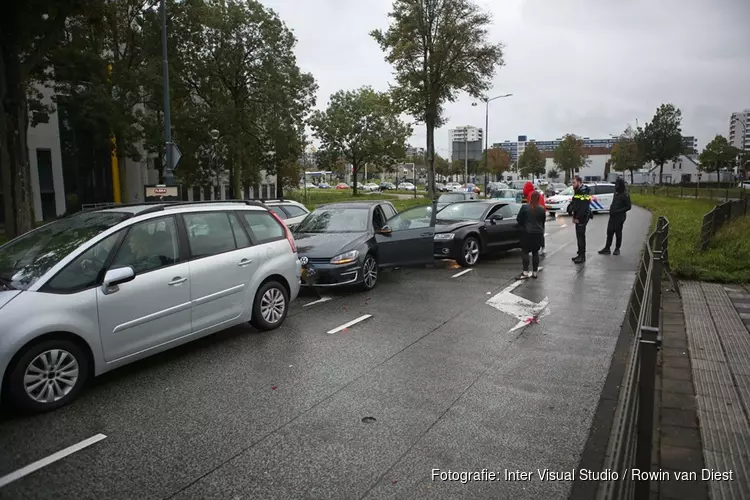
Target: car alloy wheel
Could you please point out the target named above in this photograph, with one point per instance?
(369, 273)
(47, 375)
(469, 252)
(270, 307)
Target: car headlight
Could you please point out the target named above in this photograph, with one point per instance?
(345, 258)
(445, 236)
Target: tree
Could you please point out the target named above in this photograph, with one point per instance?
(29, 31)
(626, 156)
(442, 166)
(361, 126)
(498, 161)
(718, 155)
(553, 174)
(532, 162)
(570, 155)
(438, 48)
(661, 139)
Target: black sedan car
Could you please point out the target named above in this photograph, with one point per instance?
(385, 186)
(466, 230)
(347, 243)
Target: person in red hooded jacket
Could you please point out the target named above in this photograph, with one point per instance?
(528, 190)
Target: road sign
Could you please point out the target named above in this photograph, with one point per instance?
(176, 155)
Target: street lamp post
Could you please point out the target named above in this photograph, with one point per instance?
(168, 172)
(215, 136)
(487, 135)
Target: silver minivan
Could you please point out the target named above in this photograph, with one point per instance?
(100, 289)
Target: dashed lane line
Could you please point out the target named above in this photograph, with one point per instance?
(462, 273)
(39, 464)
(319, 301)
(347, 325)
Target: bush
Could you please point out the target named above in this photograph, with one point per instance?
(728, 256)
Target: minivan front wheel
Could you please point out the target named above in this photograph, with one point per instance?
(48, 375)
(270, 307)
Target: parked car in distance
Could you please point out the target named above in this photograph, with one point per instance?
(453, 186)
(495, 186)
(370, 187)
(456, 196)
(508, 195)
(471, 188)
(100, 289)
(744, 185)
(465, 231)
(602, 195)
(347, 243)
(441, 188)
(342, 185)
(384, 186)
(406, 186)
(324, 185)
(291, 212)
(307, 185)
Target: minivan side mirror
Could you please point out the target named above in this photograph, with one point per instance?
(118, 276)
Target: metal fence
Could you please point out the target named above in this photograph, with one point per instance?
(692, 191)
(631, 438)
(717, 217)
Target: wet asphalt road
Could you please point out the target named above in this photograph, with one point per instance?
(279, 414)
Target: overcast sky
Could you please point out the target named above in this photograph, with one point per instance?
(587, 67)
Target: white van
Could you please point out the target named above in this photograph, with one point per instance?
(602, 194)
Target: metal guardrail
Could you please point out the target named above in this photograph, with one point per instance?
(717, 217)
(631, 438)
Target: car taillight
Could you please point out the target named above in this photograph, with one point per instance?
(289, 236)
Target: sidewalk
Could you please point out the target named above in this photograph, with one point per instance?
(703, 407)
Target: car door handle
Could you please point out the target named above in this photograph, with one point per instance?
(245, 262)
(177, 281)
(427, 234)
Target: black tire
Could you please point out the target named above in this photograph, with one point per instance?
(276, 291)
(17, 393)
(462, 260)
(370, 260)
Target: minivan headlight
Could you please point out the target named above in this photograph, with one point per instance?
(346, 258)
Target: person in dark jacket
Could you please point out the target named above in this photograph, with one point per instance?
(531, 218)
(617, 215)
(580, 209)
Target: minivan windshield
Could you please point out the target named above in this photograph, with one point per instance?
(27, 258)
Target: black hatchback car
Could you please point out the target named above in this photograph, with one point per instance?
(347, 243)
(466, 230)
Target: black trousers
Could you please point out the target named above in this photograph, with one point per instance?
(581, 239)
(531, 245)
(614, 229)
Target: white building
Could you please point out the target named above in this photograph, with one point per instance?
(465, 135)
(739, 132)
(684, 170)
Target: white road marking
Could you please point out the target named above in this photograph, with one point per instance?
(25, 471)
(352, 322)
(319, 301)
(564, 225)
(461, 273)
(546, 234)
(520, 308)
(553, 252)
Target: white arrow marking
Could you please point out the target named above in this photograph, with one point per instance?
(520, 308)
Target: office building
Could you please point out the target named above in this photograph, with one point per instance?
(465, 141)
(516, 148)
(739, 133)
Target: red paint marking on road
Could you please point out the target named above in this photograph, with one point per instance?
(273, 387)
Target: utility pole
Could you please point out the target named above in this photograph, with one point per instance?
(487, 135)
(466, 158)
(168, 173)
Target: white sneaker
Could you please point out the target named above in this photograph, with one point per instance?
(527, 273)
(541, 251)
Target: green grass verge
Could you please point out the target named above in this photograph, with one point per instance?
(677, 191)
(727, 260)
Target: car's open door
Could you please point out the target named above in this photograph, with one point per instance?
(407, 239)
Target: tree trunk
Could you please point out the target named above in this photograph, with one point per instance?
(430, 123)
(237, 176)
(631, 177)
(661, 171)
(14, 155)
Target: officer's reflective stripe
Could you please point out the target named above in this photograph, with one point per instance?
(584, 197)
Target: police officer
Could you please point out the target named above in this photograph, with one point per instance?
(580, 209)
